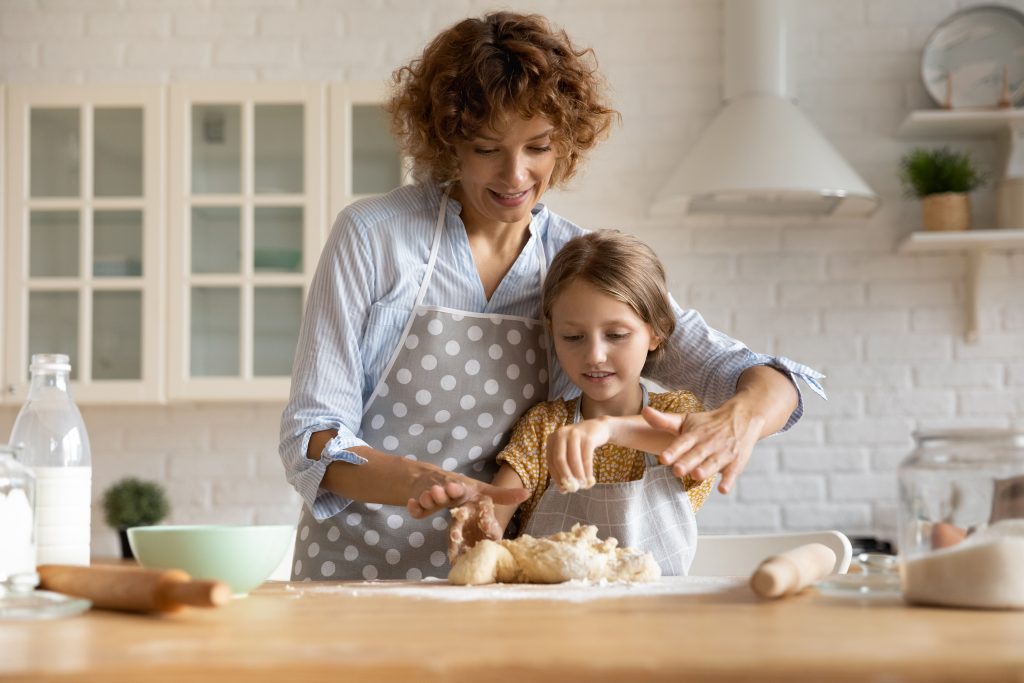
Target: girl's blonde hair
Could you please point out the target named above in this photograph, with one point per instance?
(621, 266)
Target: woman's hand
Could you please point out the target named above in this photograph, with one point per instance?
(436, 489)
(471, 523)
(719, 440)
(570, 453)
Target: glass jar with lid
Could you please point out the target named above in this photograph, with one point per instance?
(17, 507)
(961, 518)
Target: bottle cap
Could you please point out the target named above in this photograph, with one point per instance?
(50, 361)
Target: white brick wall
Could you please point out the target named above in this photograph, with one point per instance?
(886, 328)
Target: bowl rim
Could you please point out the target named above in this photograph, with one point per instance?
(211, 528)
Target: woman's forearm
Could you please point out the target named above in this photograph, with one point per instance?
(383, 478)
(768, 394)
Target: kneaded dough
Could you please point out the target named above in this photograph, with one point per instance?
(575, 554)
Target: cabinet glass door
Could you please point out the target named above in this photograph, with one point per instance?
(247, 193)
(85, 236)
(365, 159)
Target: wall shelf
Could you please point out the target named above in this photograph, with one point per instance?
(1001, 124)
(975, 243)
(931, 123)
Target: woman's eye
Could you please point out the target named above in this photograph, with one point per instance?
(483, 151)
(541, 149)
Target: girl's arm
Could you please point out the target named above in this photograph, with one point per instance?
(481, 518)
(570, 448)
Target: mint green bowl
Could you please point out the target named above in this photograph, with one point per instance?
(241, 556)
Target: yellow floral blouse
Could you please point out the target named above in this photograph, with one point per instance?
(612, 463)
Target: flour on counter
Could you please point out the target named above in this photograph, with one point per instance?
(570, 591)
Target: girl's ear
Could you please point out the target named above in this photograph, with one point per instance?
(655, 343)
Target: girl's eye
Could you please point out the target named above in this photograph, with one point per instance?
(618, 336)
(572, 337)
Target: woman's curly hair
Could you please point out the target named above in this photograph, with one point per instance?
(474, 75)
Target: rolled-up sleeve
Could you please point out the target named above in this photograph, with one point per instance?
(709, 363)
(327, 375)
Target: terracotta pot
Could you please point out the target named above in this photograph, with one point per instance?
(946, 211)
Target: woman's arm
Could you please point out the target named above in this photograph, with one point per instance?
(327, 387)
(752, 396)
(393, 480)
(722, 440)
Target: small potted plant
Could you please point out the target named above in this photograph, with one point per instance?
(941, 179)
(133, 502)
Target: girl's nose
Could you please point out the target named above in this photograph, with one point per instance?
(596, 353)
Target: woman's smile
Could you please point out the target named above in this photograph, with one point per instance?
(510, 200)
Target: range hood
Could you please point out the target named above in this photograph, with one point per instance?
(761, 155)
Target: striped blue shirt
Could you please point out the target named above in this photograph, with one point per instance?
(363, 292)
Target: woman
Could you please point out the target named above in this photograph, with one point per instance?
(421, 343)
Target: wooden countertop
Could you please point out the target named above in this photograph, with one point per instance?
(287, 632)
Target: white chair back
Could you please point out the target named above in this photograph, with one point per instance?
(740, 554)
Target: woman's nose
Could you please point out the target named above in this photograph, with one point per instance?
(516, 170)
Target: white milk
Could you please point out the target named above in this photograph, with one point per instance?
(63, 514)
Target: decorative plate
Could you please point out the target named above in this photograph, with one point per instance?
(977, 46)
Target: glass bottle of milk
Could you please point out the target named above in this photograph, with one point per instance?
(51, 435)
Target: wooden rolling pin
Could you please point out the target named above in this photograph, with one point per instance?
(792, 571)
(133, 589)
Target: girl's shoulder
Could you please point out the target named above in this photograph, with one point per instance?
(550, 414)
(675, 402)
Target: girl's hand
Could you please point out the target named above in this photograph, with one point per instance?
(436, 489)
(719, 440)
(570, 453)
(471, 523)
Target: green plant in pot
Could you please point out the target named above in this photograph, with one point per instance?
(941, 179)
(133, 502)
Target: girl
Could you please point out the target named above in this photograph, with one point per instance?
(607, 310)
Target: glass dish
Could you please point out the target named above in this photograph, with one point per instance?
(870, 575)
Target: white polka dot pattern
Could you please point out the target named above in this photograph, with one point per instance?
(455, 390)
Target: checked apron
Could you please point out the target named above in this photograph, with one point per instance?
(454, 387)
(652, 514)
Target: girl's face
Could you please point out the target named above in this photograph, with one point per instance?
(505, 173)
(602, 345)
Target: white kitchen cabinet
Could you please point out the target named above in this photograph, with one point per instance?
(364, 160)
(248, 179)
(84, 238)
(164, 237)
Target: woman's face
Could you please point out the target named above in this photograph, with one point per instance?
(505, 173)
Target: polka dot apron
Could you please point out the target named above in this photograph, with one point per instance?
(453, 388)
(651, 514)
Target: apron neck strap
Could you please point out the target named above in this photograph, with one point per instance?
(434, 245)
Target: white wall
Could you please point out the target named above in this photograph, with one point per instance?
(885, 328)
